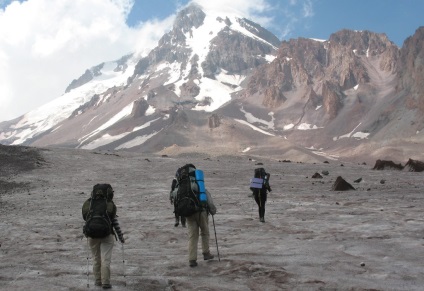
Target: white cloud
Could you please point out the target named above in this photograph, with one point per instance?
(45, 44)
(147, 34)
(251, 9)
(308, 10)
(293, 13)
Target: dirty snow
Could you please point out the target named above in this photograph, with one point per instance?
(357, 135)
(313, 238)
(253, 127)
(307, 126)
(137, 141)
(246, 150)
(107, 138)
(49, 115)
(288, 126)
(126, 111)
(252, 119)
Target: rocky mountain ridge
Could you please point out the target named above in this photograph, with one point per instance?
(223, 83)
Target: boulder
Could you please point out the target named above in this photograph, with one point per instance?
(414, 166)
(357, 180)
(387, 165)
(341, 185)
(316, 176)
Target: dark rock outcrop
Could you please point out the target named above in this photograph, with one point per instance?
(139, 108)
(85, 78)
(386, 165)
(341, 185)
(414, 166)
(178, 117)
(189, 89)
(316, 176)
(214, 121)
(235, 53)
(81, 109)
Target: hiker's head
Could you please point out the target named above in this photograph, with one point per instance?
(104, 191)
(190, 165)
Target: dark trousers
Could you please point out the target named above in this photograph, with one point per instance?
(177, 218)
(260, 198)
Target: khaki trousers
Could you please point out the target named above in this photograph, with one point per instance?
(194, 222)
(101, 250)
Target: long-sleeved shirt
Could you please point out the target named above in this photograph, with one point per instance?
(117, 228)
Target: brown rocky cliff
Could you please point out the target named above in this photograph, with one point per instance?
(332, 99)
(411, 69)
(139, 109)
(302, 63)
(214, 121)
(234, 52)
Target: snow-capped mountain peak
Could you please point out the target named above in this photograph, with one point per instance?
(221, 81)
(195, 64)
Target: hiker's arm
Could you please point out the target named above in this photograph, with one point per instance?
(268, 175)
(268, 187)
(211, 205)
(115, 225)
(174, 184)
(171, 193)
(85, 209)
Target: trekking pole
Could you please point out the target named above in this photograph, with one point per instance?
(88, 264)
(216, 240)
(123, 264)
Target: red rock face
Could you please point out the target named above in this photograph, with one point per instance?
(411, 71)
(139, 108)
(329, 67)
(331, 99)
(214, 121)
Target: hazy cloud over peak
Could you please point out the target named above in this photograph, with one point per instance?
(44, 45)
(253, 9)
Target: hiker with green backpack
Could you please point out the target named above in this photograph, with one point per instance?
(173, 200)
(194, 202)
(101, 228)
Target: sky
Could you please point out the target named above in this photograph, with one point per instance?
(45, 44)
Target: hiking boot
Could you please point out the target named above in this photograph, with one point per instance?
(207, 256)
(98, 283)
(183, 224)
(192, 263)
(106, 286)
(177, 222)
(262, 219)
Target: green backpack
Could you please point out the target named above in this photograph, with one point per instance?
(98, 211)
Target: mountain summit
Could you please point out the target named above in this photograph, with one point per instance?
(223, 83)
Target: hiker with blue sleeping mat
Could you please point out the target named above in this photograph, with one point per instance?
(259, 185)
(194, 202)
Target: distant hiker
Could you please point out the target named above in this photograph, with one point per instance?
(195, 203)
(172, 196)
(101, 227)
(259, 185)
